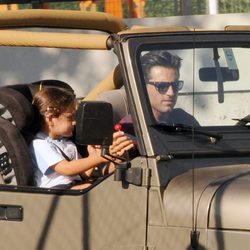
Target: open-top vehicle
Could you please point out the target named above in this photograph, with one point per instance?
(187, 187)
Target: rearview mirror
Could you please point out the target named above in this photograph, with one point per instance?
(210, 74)
(94, 123)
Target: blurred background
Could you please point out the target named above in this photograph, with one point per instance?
(138, 8)
(84, 69)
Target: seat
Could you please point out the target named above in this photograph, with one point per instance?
(118, 99)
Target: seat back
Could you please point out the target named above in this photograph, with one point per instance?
(118, 99)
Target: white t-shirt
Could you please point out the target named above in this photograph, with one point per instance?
(45, 153)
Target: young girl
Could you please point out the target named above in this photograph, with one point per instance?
(55, 156)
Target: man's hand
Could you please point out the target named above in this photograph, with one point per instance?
(121, 144)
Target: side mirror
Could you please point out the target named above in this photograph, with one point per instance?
(210, 74)
(94, 123)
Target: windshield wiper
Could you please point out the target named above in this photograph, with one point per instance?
(242, 121)
(179, 128)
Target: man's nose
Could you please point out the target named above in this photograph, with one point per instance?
(170, 91)
(73, 123)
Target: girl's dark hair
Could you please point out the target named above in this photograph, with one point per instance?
(53, 100)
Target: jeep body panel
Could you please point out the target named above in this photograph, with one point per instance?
(215, 203)
(83, 221)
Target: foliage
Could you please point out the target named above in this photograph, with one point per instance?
(163, 8)
(234, 6)
(159, 8)
(68, 5)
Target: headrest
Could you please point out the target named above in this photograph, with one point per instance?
(15, 108)
(29, 89)
(118, 99)
(35, 86)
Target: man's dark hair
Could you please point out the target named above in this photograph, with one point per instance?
(159, 58)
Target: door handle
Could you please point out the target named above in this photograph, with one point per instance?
(11, 212)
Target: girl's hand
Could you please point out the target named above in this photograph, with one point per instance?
(92, 149)
(95, 150)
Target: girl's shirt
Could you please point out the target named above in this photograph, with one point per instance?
(46, 152)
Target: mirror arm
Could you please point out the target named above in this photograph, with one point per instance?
(105, 152)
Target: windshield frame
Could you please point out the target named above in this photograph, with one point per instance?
(161, 139)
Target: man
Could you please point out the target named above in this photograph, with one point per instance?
(161, 74)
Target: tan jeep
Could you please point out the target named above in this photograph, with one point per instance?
(188, 185)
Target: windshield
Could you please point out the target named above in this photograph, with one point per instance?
(202, 86)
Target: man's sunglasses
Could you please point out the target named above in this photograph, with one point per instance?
(162, 87)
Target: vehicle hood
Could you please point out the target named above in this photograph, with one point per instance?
(221, 198)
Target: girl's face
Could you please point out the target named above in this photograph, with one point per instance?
(63, 125)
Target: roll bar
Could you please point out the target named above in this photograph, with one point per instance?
(67, 19)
